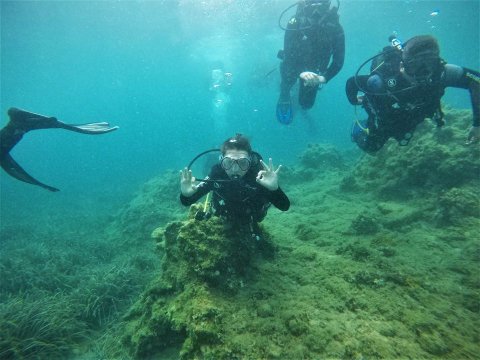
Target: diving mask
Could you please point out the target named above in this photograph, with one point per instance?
(422, 67)
(243, 163)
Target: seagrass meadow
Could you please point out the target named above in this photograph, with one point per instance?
(377, 258)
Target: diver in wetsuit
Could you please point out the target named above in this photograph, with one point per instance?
(243, 186)
(314, 51)
(22, 122)
(406, 87)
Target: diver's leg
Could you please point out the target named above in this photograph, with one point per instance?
(9, 137)
(284, 104)
(26, 121)
(289, 75)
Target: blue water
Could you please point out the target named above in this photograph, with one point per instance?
(145, 66)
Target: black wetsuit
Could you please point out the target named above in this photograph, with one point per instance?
(242, 201)
(318, 48)
(395, 107)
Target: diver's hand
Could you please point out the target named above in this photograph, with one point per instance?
(311, 79)
(268, 177)
(187, 183)
(473, 135)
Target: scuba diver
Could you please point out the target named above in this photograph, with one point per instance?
(314, 51)
(22, 122)
(220, 86)
(405, 86)
(243, 186)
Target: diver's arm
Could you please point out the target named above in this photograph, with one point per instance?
(460, 77)
(338, 56)
(202, 189)
(352, 89)
(279, 199)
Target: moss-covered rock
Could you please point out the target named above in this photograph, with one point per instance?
(199, 259)
(435, 159)
(381, 264)
(365, 224)
(455, 204)
(322, 157)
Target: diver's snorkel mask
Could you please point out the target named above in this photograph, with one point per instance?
(227, 163)
(235, 168)
(422, 67)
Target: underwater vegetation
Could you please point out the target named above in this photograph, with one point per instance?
(374, 260)
(377, 258)
(62, 287)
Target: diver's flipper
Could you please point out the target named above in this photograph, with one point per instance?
(15, 170)
(27, 121)
(91, 128)
(284, 112)
(21, 122)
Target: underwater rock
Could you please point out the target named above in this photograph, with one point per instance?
(405, 216)
(322, 157)
(265, 310)
(349, 183)
(297, 324)
(312, 303)
(431, 340)
(455, 204)
(356, 251)
(305, 253)
(208, 251)
(158, 233)
(435, 159)
(305, 232)
(313, 164)
(181, 308)
(387, 251)
(355, 304)
(365, 224)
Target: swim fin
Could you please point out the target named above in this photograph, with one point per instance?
(284, 112)
(21, 122)
(13, 169)
(27, 121)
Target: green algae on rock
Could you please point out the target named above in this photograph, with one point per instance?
(377, 261)
(435, 159)
(201, 259)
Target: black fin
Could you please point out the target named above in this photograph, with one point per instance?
(16, 171)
